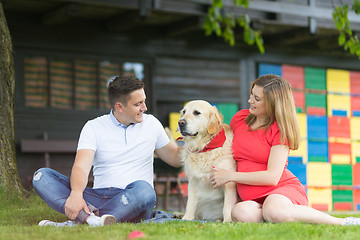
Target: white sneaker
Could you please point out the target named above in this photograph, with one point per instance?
(56, 224)
(351, 221)
(95, 221)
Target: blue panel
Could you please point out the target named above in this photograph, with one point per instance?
(299, 170)
(356, 113)
(295, 160)
(341, 113)
(265, 68)
(318, 149)
(317, 128)
(357, 206)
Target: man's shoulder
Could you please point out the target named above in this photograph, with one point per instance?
(100, 119)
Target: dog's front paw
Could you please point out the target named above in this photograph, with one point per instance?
(227, 219)
(178, 215)
(187, 217)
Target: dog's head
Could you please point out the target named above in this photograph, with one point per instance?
(199, 118)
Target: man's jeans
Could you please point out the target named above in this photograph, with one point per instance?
(132, 204)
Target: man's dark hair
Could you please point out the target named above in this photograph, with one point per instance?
(120, 88)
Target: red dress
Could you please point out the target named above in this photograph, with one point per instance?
(251, 151)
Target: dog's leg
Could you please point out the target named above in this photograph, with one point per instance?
(230, 200)
(191, 204)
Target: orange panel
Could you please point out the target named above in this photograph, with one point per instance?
(339, 127)
(356, 174)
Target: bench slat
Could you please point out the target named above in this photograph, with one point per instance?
(48, 146)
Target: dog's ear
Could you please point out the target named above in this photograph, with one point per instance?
(215, 120)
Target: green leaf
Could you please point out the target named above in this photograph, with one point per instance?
(356, 6)
(342, 38)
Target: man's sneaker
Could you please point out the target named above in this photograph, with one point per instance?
(56, 224)
(351, 221)
(95, 221)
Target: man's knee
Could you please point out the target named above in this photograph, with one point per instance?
(40, 175)
(144, 193)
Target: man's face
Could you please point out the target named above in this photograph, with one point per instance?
(133, 111)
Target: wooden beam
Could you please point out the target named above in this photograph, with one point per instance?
(185, 26)
(60, 15)
(126, 21)
(286, 8)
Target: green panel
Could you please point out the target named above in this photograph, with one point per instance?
(358, 159)
(342, 196)
(317, 159)
(315, 78)
(315, 100)
(299, 110)
(228, 110)
(341, 174)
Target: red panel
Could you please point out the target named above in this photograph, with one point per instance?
(354, 82)
(339, 127)
(355, 103)
(356, 174)
(299, 99)
(339, 148)
(294, 75)
(320, 206)
(343, 206)
(316, 111)
(356, 196)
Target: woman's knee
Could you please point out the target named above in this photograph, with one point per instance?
(275, 211)
(247, 211)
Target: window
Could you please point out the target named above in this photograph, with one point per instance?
(66, 83)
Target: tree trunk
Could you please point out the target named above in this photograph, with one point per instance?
(9, 178)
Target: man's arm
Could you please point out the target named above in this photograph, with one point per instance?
(78, 181)
(170, 154)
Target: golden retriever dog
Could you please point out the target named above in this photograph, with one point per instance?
(208, 144)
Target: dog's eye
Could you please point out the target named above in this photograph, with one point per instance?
(197, 113)
(183, 111)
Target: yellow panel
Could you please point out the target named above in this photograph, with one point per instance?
(319, 174)
(340, 159)
(301, 151)
(338, 102)
(173, 124)
(320, 196)
(338, 80)
(355, 151)
(303, 124)
(355, 128)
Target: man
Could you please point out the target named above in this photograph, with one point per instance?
(120, 147)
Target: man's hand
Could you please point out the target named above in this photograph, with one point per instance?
(74, 204)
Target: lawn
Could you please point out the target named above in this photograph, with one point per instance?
(19, 217)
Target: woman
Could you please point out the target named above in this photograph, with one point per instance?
(263, 135)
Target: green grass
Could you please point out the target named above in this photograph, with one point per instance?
(19, 217)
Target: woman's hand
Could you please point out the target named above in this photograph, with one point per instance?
(219, 177)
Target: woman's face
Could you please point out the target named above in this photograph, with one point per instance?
(257, 102)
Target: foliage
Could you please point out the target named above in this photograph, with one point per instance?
(224, 25)
(347, 38)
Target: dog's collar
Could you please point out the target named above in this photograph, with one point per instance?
(216, 142)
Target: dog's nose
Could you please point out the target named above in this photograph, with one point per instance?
(182, 123)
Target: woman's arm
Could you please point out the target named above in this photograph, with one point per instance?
(276, 163)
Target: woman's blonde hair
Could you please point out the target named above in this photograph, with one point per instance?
(280, 107)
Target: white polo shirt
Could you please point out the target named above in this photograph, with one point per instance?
(122, 154)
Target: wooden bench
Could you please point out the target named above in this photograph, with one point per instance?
(47, 146)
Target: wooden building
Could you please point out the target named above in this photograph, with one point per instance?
(66, 50)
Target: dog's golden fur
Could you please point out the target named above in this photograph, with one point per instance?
(198, 124)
